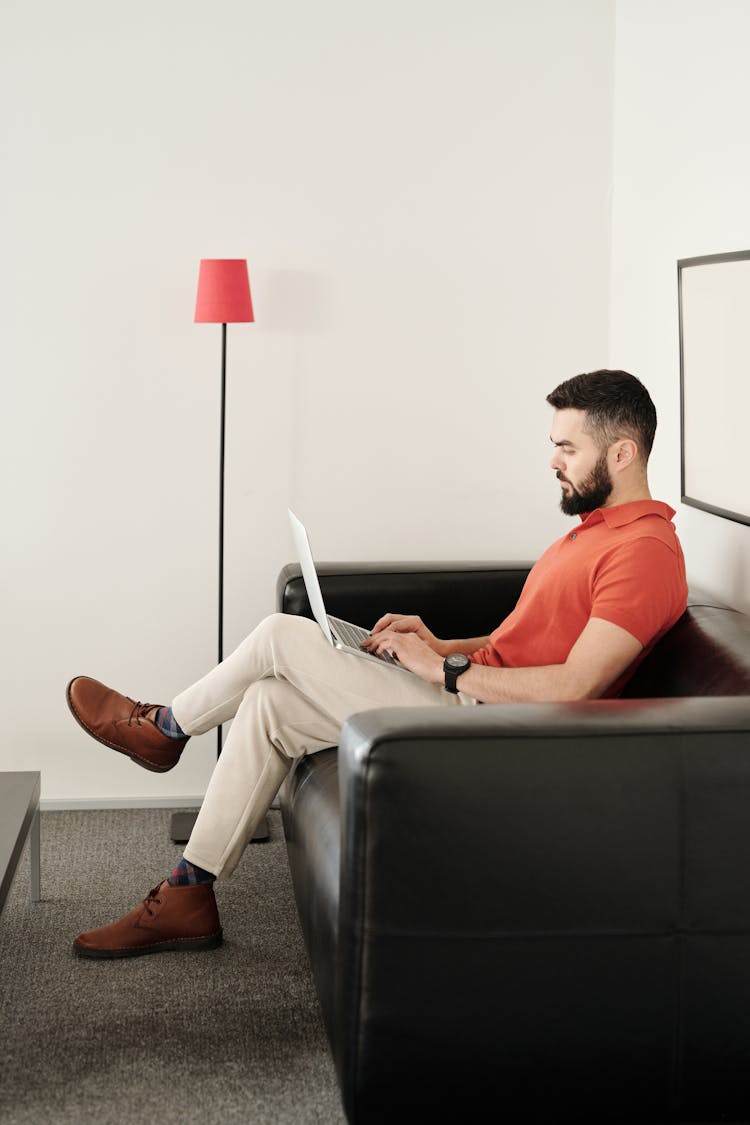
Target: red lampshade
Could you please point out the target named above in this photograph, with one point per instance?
(223, 292)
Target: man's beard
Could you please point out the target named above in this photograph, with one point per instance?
(592, 493)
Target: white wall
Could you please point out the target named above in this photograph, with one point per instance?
(682, 188)
(422, 190)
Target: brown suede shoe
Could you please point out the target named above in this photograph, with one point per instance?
(169, 918)
(124, 724)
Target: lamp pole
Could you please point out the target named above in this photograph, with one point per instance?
(222, 442)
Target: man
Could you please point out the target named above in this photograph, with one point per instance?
(592, 606)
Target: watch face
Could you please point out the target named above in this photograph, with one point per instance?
(457, 660)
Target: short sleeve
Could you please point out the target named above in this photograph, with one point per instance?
(640, 587)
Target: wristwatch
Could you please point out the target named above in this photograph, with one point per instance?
(454, 665)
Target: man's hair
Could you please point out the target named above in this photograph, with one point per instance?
(617, 405)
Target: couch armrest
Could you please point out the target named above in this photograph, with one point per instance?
(520, 888)
(460, 599)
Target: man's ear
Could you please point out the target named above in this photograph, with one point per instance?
(624, 453)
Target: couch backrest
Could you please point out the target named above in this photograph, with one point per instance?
(706, 653)
(461, 599)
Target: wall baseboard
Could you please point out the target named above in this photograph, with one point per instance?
(94, 803)
(53, 805)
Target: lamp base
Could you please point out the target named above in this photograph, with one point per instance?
(181, 825)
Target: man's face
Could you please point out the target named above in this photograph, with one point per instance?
(579, 464)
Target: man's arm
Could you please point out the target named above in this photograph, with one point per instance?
(466, 646)
(600, 655)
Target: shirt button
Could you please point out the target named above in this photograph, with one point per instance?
(573, 534)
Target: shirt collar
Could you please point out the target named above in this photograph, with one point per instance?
(621, 514)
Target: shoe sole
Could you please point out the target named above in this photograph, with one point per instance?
(178, 945)
(143, 762)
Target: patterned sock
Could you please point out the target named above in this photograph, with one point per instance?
(168, 725)
(188, 874)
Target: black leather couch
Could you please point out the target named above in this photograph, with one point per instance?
(536, 912)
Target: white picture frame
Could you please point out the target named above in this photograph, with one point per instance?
(714, 334)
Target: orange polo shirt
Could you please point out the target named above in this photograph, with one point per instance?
(623, 564)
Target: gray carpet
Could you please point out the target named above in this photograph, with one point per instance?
(229, 1035)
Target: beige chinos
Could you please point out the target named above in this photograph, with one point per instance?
(288, 692)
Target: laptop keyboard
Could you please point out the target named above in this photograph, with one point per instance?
(352, 635)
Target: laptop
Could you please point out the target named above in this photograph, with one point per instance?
(341, 634)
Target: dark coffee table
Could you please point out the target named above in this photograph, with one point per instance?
(19, 816)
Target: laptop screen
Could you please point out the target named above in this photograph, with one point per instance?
(309, 573)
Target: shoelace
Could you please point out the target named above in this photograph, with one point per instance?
(151, 897)
(139, 711)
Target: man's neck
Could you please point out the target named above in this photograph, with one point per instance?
(629, 493)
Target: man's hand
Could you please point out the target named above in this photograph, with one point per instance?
(411, 651)
(405, 623)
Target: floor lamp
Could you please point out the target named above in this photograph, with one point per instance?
(223, 298)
